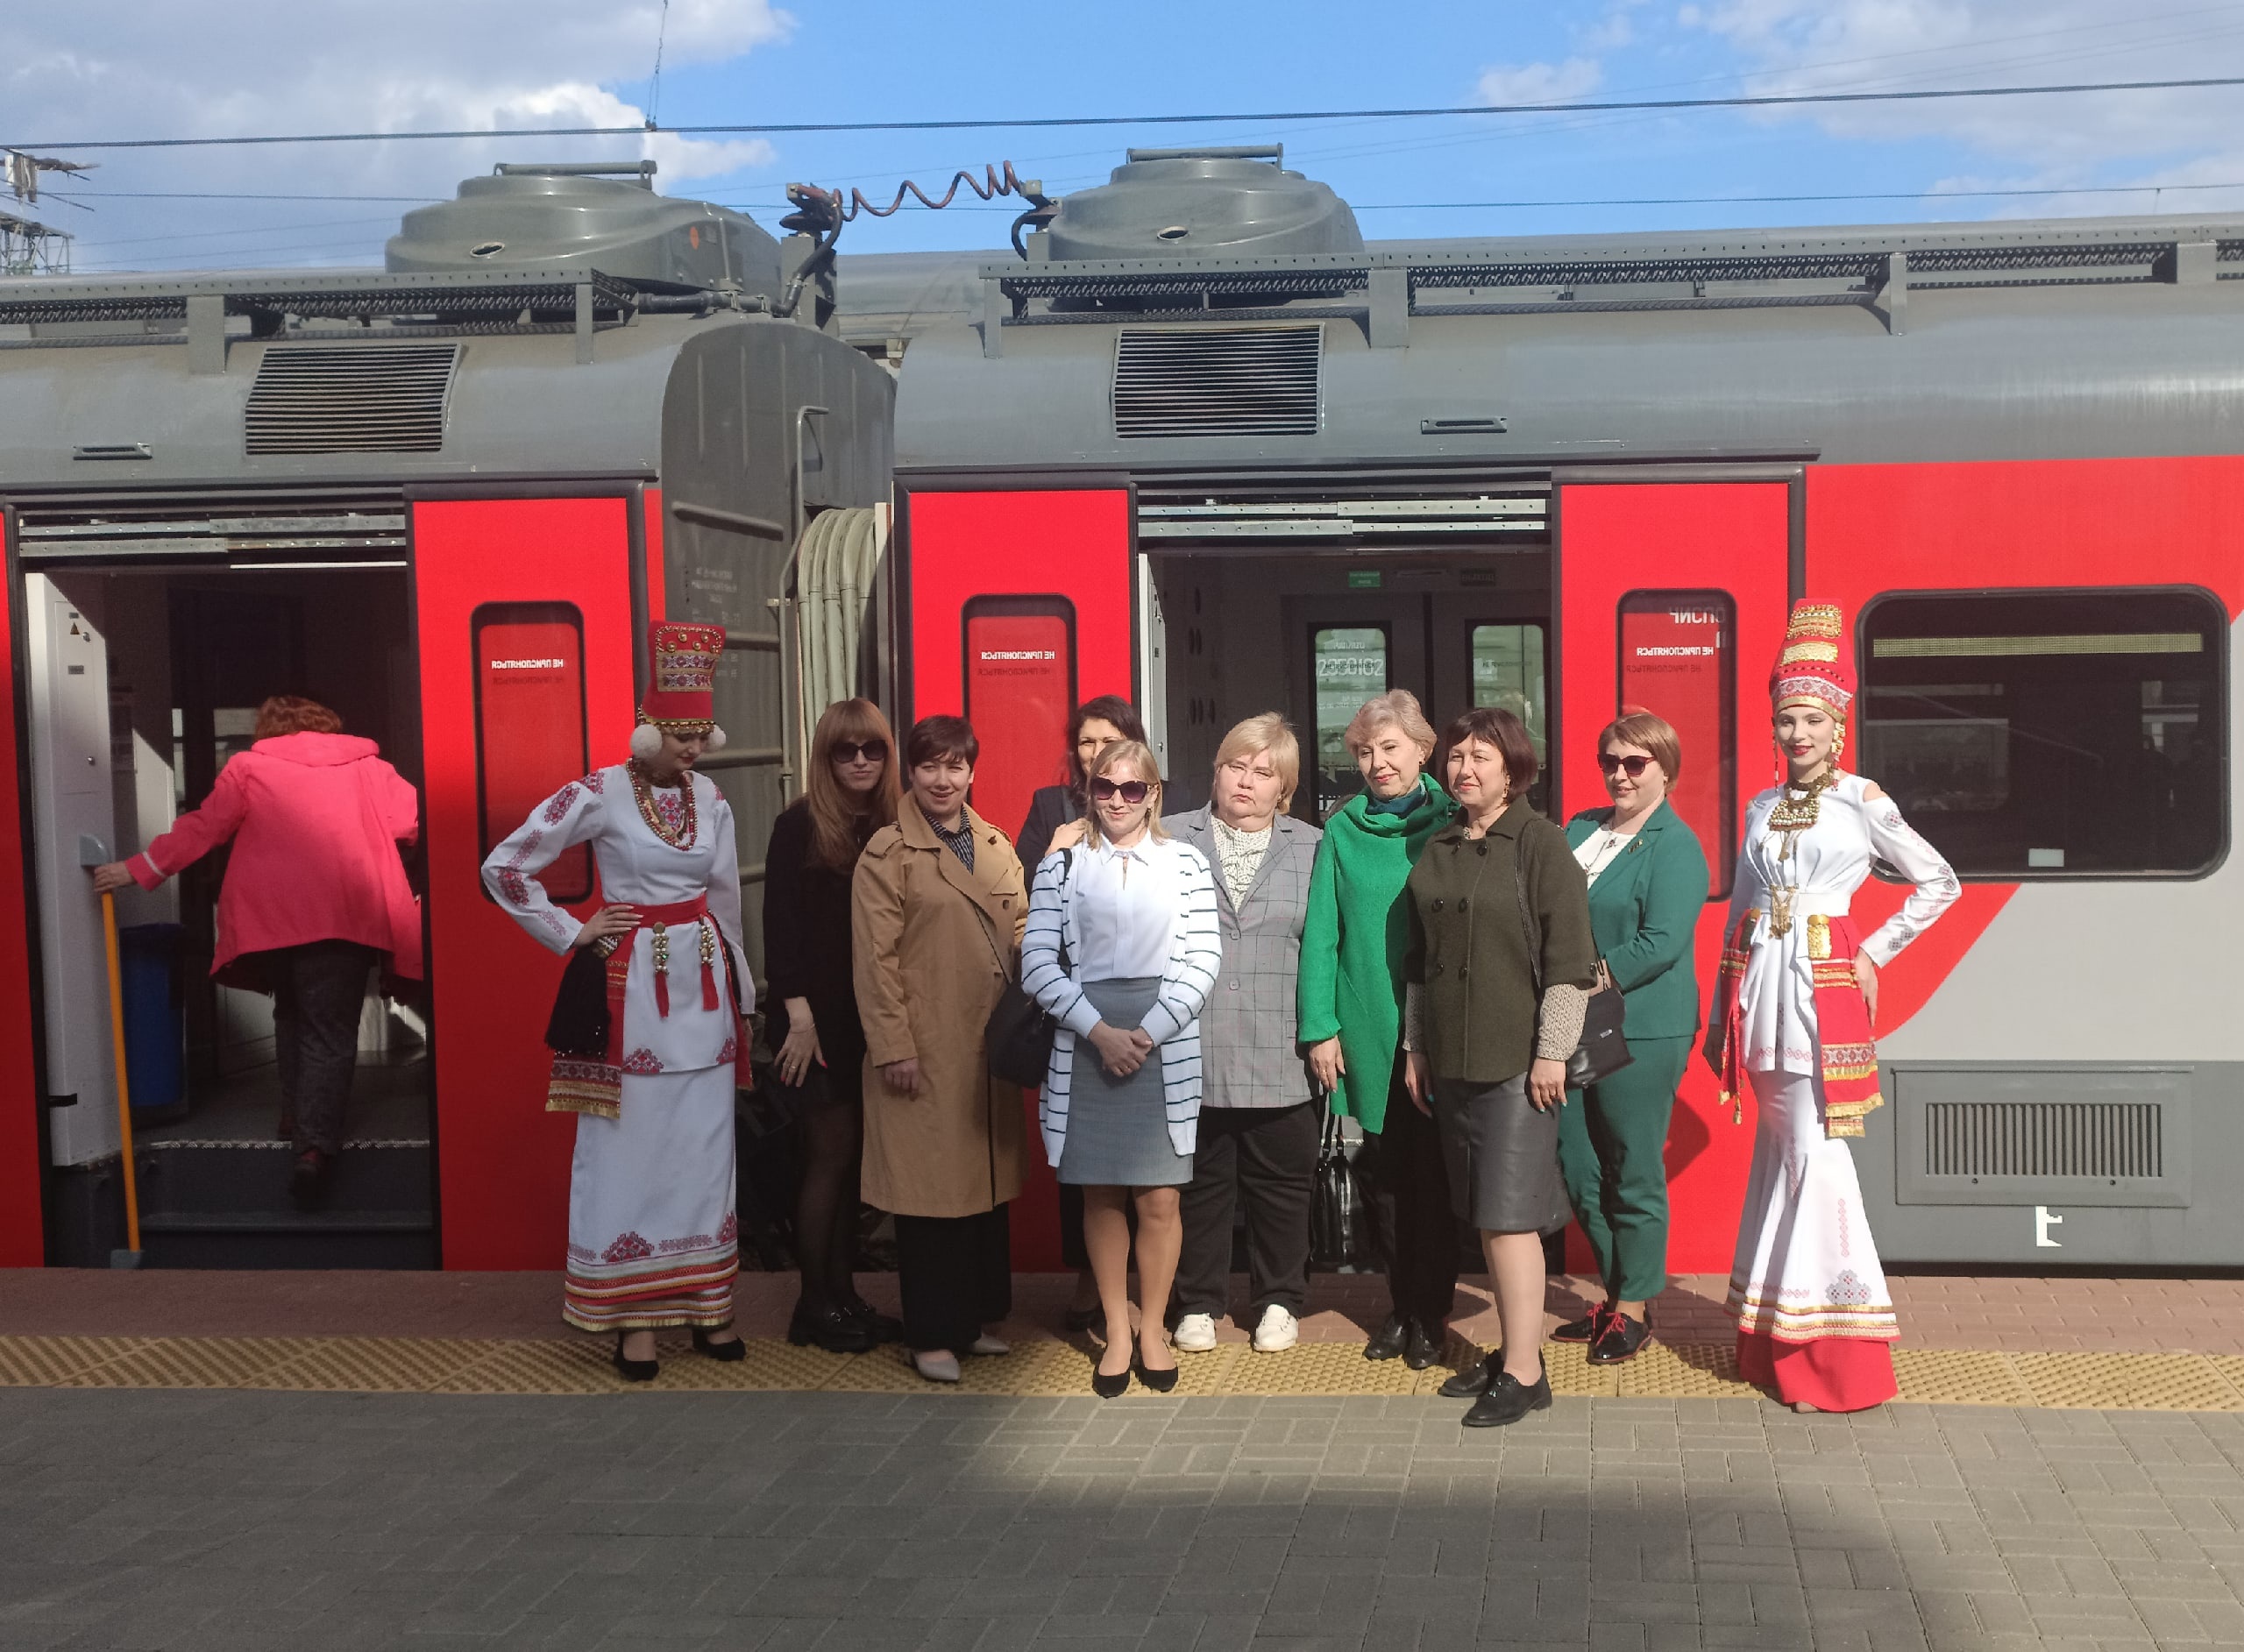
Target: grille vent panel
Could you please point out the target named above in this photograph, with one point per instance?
(1218, 381)
(2043, 1140)
(350, 398)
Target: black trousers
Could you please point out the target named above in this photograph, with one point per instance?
(318, 991)
(955, 1274)
(1418, 1228)
(1266, 1156)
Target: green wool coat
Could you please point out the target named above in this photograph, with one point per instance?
(1353, 940)
(1644, 910)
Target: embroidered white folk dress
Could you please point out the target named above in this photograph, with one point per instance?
(653, 1240)
(1806, 1267)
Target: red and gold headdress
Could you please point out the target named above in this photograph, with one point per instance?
(681, 696)
(1812, 668)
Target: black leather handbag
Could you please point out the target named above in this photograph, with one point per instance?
(1603, 1050)
(1340, 1218)
(1019, 1034)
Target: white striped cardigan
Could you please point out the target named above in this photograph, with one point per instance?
(1196, 952)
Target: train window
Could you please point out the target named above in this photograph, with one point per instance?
(1508, 672)
(1020, 687)
(1678, 659)
(1350, 664)
(2034, 735)
(530, 724)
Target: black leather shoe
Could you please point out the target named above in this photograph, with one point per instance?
(1159, 1381)
(1388, 1341)
(884, 1327)
(308, 1180)
(835, 1330)
(1507, 1401)
(1584, 1329)
(1108, 1387)
(1422, 1347)
(1471, 1382)
(725, 1352)
(1619, 1342)
(634, 1370)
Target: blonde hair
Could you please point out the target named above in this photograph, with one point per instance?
(1399, 707)
(1271, 733)
(1134, 752)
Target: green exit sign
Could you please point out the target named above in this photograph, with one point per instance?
(1363, 578)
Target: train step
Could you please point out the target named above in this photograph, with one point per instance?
(220, 1177)
(288, 1239)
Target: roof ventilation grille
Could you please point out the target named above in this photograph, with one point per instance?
(1218, 381)
(350, 398)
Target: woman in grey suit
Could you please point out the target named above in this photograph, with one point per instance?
(1258, 1122)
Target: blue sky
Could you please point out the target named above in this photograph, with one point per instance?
(135, 67)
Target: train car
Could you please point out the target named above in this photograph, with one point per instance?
(444, 497)
(1208, 446)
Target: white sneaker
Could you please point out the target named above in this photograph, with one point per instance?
(1279, 1329)
(1195, 1334)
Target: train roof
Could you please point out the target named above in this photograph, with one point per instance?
(2013, 339)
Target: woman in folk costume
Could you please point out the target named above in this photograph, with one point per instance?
(647, 1030)
(1793, 1012)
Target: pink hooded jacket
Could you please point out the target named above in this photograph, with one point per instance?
(316, 820)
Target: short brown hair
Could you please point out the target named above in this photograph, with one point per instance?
(941, 739)
(1271, 733)
(294, 714)
(1504, 731)
(1651, 732)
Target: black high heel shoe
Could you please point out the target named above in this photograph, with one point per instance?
(726, 1352)
(634, 1370)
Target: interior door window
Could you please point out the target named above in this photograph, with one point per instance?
(530, 724)
(1679, 661)
(1348, 664)
(1507, 673)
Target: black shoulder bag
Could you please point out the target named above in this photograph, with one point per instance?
(1019, 1035)
(1340, 1214)
(1604, 1048)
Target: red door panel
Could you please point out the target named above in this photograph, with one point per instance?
(997, 575)
(22, 1237)
(524, 609)
(1652, 576)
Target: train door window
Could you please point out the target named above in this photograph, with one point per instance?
(2034, 735)
(1349, 665)
(1020, 687)
(1508, 672)
(1679, 661)
(530, 724)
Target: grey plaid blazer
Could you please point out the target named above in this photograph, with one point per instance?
(1247, 1054)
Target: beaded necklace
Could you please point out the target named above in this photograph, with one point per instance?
(1794, 813)
(642, 792)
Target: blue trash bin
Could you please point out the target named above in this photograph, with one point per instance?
(155, 1019)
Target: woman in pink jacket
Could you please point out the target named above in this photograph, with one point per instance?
(315, 897)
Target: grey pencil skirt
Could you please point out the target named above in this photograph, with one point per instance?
(1502, 1155)
(1118, 1127)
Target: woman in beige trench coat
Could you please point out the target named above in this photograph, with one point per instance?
(937, 910)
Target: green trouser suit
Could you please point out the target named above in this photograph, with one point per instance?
(1643, 910)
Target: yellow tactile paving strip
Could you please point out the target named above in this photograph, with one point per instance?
(1043, 1367)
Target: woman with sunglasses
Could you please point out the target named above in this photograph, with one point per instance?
(818, 1043)
(1647, 886)
(1133, 914)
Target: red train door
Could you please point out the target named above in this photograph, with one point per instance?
(525, 612)
(22, 1227)
(1019, 605)
(1673, 597)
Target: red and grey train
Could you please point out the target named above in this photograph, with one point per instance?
(1206, 446)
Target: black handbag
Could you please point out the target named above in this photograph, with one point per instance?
(1340, 1230)
(1603, 1049)
(1019, 1034)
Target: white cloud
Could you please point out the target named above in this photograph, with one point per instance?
(1541, 82)
(200, 68)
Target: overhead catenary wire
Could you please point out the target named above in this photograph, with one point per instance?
(1024, 122)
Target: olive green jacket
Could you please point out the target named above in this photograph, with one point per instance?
(1644, 908)
(1468, 949)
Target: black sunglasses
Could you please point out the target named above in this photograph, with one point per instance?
(1128, 790)
(848, 751)
(1610, 762)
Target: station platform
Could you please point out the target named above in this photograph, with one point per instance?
(2146, 1345)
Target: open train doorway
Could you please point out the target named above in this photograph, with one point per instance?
(1313, 633)
(144, 680)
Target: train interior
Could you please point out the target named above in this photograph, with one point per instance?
(143, 681)
(1314, 633)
